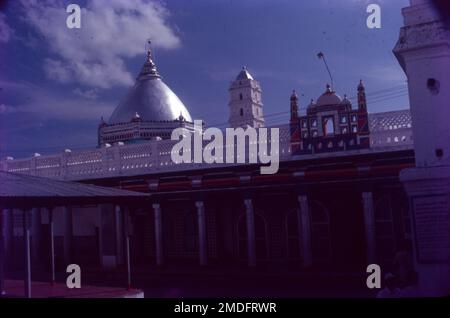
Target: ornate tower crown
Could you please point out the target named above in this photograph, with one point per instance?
(294, 105)
(245, 101)
(362, 103)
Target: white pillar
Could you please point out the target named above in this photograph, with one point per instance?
(305, 221)
(251, 244)
(369, 225)
(68, 233)
(203, 258)
(423, 51)
(158, 235)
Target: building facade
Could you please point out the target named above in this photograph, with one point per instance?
(323, 213)
(336, 207)
(330, 124)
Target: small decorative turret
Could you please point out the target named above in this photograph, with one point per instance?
(136, 117)
(346, 102)
(362, 104)
(294, 106)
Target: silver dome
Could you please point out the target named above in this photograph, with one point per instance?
(329, 98)
(151, 98)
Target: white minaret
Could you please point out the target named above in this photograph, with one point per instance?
(423, 51)
(246, 108)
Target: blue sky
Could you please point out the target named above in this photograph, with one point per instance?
(56, 83)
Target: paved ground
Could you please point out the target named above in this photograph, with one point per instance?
(15, 288)
(209, 282)
(244, 283)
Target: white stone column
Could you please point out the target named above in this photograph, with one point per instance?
(158, 234)
(251, 243)
(68, 234)
(305, 221)
(369, 226)
(203, 257)
(423, 51)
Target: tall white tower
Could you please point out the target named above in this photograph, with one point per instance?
(423, 51)
(246, 108)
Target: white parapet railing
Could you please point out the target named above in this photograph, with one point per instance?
(118, 160)
(154, 156)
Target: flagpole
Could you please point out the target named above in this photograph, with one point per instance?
(320, 55)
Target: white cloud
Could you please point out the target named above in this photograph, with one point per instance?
(111, 31)
(6, 109)
(5, 31)
(87, 94)
(57, 70)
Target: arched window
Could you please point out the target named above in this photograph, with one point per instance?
(190, 233)
(240, 96)
(260, 237)
(293, 234)
(328, 126)
(320, 232)
(241, 112)
(384, 229)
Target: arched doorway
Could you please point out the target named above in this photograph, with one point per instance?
(320, 233)
(190, 233)
(142, 238)
(293, 235)
(384, 230)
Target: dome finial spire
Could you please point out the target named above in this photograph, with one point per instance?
(149, 67)
(148, 49)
